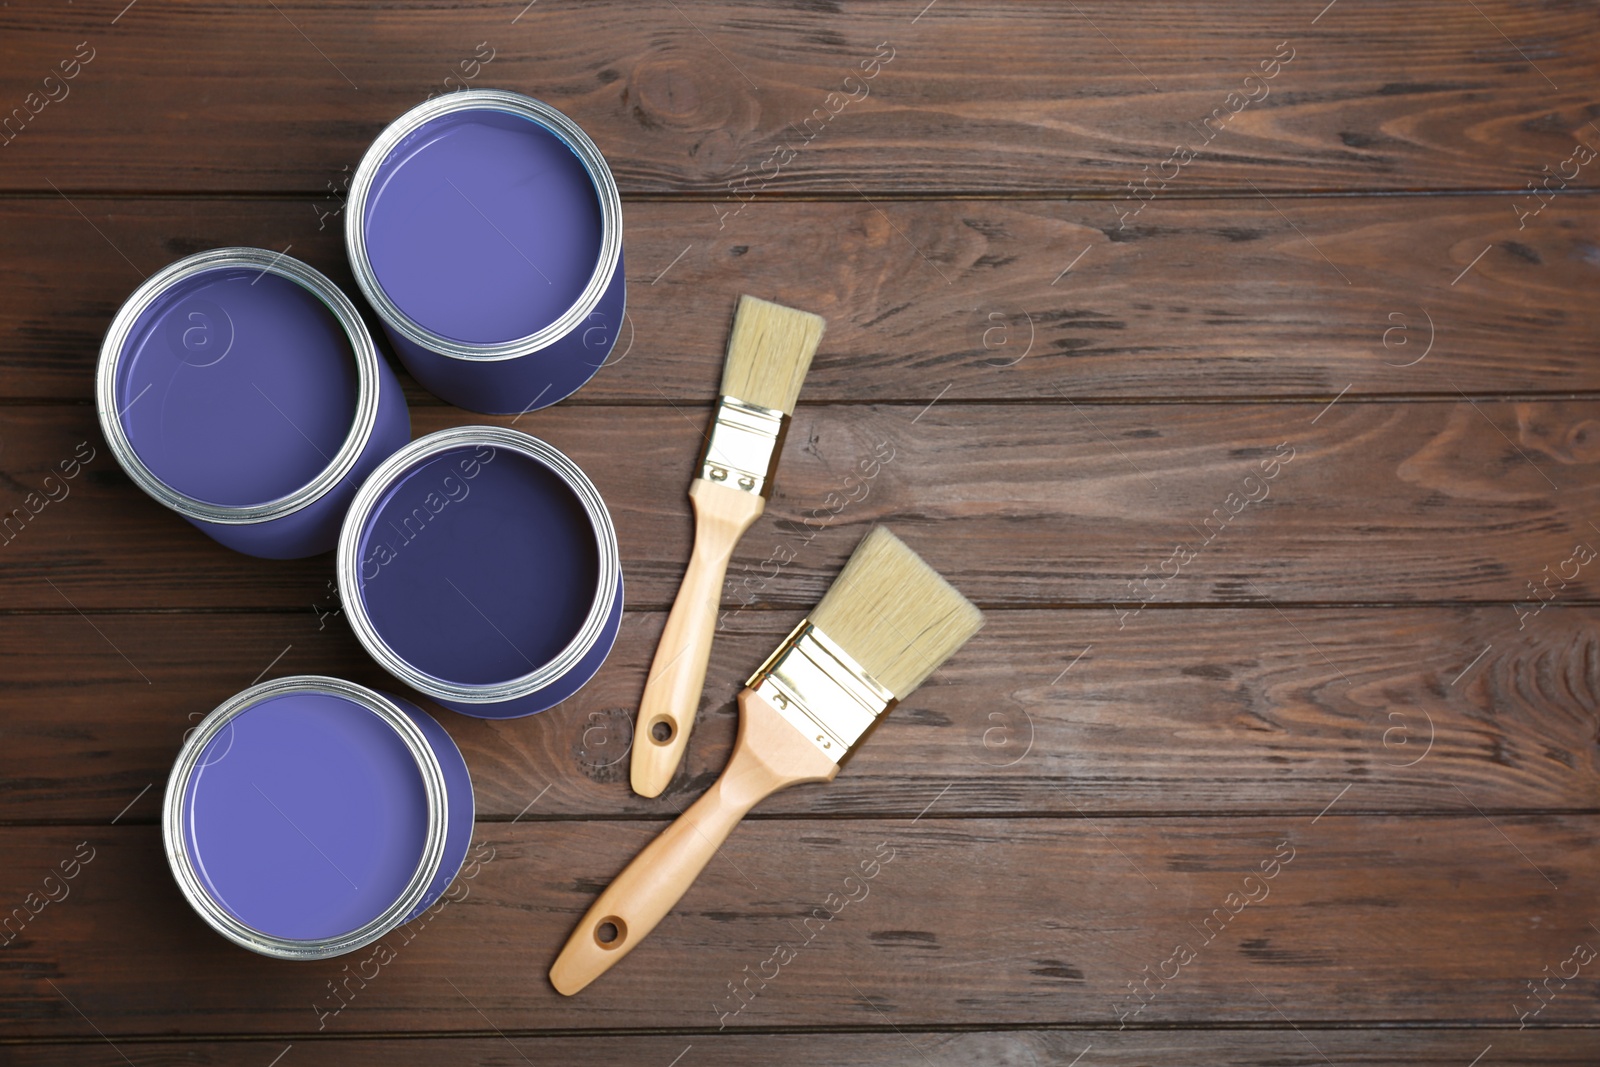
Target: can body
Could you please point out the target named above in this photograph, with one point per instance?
(241, 389)
(308, 816)
(479, 566)
(485, 229)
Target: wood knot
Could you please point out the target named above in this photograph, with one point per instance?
(1583, 441)
(676, 91)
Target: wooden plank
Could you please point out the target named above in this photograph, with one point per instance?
(1453, 1047)
(1057, 96)
(1045, 713)
(1030, 505)
(1001, 922)
(1196, 299)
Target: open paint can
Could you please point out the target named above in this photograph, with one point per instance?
(486, 230)
(240, 388)
(479, 566)
(308, 816)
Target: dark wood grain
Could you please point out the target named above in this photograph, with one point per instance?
(1453, 1047)
(1019, 506)
(969, 295)
(1385, 664)
(1199, 711)
(1007, 921)
(1057, 96)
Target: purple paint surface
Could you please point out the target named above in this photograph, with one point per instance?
(306, 816)
(478, 565)
(237, 387)
(482, 226)
(561, 688)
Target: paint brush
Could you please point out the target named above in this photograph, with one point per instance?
(887, 622)
(769, 353)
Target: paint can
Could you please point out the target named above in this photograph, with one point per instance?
(485, 229)
(240, 388)
(479, 566)
(309, 816)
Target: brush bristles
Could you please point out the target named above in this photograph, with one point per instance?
(769, 353)
(894, 615)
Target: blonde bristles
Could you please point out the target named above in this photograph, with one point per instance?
(894, 614)
(769, 353)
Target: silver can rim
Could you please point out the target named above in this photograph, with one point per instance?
(318, 285)
(378, 483)
(320, 948)
(588, 153)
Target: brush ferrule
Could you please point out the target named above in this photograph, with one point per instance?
(821, 691)
(742, 446)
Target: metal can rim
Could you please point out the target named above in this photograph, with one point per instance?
(319, 948)
(347, 559)
(318, 285)
(554, 121)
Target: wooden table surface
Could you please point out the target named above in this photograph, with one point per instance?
(1236, 358)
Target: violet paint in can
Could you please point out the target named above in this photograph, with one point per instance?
(485, 229)
(240, 388)
(309, 816)
(479, 565)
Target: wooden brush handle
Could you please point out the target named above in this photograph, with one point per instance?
(769, 755)
(678, 673)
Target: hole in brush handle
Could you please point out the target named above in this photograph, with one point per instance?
(610, 933)
(662, 729)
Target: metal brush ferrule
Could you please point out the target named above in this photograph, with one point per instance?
(742, 446)
(821, 691)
